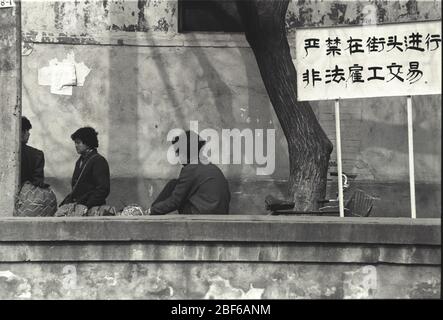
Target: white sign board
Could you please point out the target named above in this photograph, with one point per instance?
(6, 3)
(368, 61)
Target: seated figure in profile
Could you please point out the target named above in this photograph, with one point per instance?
(200, 188)
(91, 178)
(35, 197)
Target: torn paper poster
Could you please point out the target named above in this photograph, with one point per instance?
(82, 72)
(62, 76)
(81, 69)
(66, 91)
(45, 76)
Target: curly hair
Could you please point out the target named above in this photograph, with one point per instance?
(26, 124)
(87, 135)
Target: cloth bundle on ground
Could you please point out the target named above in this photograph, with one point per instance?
(78, 210)
(132, 210)
(104, 210)
(71, 210)
(36, 201)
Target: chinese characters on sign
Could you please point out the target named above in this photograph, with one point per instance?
(369, 61)
(355, 72)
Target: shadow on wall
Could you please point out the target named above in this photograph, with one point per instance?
(241, 101)
(248, 196)
(390, 131)
(123, 110)
(127, 100)
(382, 139)
(126, 111)
(375, 137)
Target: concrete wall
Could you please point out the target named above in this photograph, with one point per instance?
(146, 78)
(223, 257)
(10, 88)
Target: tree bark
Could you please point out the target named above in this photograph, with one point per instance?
(309, 147)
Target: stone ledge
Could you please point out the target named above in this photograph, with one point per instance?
(225, 228)
(134, 251)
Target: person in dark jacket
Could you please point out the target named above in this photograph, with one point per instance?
(32, 161)
(91, 179)
(35, 197)
(200, 188)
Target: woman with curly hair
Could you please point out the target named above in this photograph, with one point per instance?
(91, 179)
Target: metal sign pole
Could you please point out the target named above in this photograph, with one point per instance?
(339, 164)
(411, 157)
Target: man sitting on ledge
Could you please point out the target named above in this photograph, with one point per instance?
(200, 188)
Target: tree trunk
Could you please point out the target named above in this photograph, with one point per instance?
(309, 147)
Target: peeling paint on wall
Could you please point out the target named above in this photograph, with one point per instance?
(425, 290)
(158, 287)
(19, 286)
(369, 13)
(99, 20)
(27, 48)
(98, 17)
(7, 47)
(190, 280)
(360, 284)
(222, 289)
(69, 280)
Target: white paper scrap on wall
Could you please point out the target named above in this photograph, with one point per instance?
(82, 72)
(66, 91)
(45, 76)
(62, 76)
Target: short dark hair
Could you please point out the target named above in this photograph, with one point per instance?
(187, 135)
(87, 135)
(26, 124)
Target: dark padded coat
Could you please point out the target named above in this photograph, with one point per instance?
(93, 186)
(199, 189)
(32, 165)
